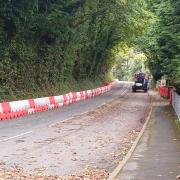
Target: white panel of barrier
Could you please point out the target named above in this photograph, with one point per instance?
(19, 105)
(59, 99)
(1, 110)
(42, 101)
(78, 96)
(70, 95)
(89, 93)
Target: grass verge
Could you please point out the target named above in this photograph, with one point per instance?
(48, 90)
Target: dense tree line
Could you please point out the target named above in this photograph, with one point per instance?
(161, 43)
(45, 43)
(128, 63)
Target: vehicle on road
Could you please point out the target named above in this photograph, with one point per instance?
(140, 83)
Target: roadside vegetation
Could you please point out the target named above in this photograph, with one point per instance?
(45, 45)
(177, 122)
(128, 62)
(161, 42)
(50, 47)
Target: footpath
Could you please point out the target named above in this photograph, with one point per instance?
(157, 155)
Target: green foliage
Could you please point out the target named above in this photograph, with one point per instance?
(162, 41)
(45, 43)
(177, 123)
(128, 63)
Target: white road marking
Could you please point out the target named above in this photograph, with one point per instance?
(13, 137)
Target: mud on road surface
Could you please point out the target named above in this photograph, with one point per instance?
(89, 145)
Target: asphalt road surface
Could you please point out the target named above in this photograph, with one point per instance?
(91, 133)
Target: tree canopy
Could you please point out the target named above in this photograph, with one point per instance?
(45, 43)
(129, 62)
(161, 43)
(48, 42)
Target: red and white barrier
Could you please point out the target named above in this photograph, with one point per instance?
(163, 91)
(166, 92)
(16, 109)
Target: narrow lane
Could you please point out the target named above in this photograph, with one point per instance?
(93, 139)
(16, 127)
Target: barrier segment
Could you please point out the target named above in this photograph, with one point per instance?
(59, 101)
(83, 95)
(78, 94)
(14, 109)
(19, 105)
(6, 107)
(165, 92)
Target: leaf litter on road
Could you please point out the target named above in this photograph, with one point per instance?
(19, 174)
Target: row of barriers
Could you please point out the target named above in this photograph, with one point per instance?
(172, 96)
(14, 109)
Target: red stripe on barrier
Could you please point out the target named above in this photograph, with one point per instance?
(82, 93)
(5, 116)
(74, 97)
(65, 103)
(52, 101)
(41, 108)
(6, 107)
(166, 92)
(32, 103)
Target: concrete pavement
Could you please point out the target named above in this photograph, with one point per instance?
(157, 155)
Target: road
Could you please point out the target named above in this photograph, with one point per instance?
(92, 133)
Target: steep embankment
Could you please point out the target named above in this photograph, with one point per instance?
(47, 46)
